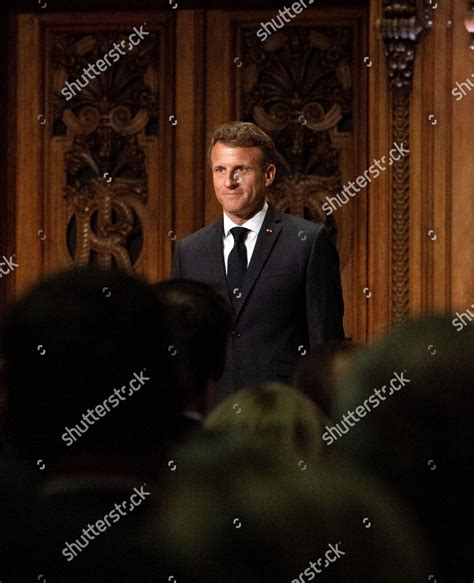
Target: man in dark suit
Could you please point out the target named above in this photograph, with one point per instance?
(280, 273)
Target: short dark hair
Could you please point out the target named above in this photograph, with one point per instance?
(68, 343)
(240, 134)
(197, 322)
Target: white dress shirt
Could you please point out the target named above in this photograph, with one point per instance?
(253, 225)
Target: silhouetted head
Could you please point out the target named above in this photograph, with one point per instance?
(275, 414)
(86, 340)
(418, 435)
(197, 324)
(237, 511)
(316, 375)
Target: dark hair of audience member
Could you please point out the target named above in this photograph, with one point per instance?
(276, 414)
(69, 343)
(419, 439)
(197, 324)
(239, 512)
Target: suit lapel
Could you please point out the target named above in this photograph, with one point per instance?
(266, 239)
(216, 255)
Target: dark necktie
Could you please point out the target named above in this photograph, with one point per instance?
(237, 262)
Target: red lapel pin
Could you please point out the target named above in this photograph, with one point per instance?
(269, 230)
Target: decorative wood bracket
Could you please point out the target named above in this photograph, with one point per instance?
(400, 28)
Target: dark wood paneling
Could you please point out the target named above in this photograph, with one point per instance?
(201, 85)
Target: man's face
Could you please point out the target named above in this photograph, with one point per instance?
(240, 181)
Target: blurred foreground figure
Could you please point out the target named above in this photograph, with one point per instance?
(318, 373)
(197, 323)
(92, 411)
(274, 414)
(240, 513)
(420, 438)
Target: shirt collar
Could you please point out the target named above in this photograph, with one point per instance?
(253, 224)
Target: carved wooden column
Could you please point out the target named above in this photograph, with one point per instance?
(400, 28)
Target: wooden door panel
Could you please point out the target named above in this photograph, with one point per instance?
(93, 156)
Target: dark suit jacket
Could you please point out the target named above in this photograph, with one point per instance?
(291, 297)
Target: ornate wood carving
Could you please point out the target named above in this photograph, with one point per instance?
(400, 208)
(400, 29)
(298, 87)
(106, 122)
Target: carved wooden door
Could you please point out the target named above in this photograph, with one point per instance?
(94, 148)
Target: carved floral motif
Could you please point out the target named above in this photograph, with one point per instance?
(297, 87)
